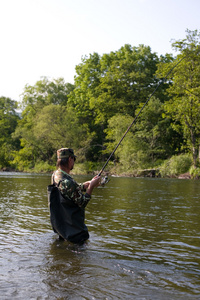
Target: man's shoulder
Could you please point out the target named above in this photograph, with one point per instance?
(65, 181)
(61, 176)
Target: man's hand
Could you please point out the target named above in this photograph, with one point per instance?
(86, 184)
(95, 182)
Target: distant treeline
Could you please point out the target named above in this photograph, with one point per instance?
(92, 114)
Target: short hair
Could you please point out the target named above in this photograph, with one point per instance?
(62, 162)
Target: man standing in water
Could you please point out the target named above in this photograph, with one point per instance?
(68, 199)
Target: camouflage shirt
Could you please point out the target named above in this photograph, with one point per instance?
(70, 189)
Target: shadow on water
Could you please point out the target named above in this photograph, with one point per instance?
(144, 242)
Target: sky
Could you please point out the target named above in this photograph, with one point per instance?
(49, 37)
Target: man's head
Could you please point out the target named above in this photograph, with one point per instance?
(65, 153)
(64, 158)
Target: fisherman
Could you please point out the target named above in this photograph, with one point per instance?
(68, 199)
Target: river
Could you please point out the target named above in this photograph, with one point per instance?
(144, 241)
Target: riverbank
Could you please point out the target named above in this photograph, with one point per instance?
(151, 173)
(178, 166)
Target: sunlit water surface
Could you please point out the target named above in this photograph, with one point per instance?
(144, 241)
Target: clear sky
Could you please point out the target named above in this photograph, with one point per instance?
(49, 37)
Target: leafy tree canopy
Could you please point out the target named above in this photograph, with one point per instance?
(92, 115)
(8, 123)
(184, 103)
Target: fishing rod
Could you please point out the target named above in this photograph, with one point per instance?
(105, 179)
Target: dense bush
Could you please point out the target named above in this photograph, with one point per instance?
(176, 165)
(195, 172)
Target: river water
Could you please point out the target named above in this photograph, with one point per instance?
(144, 241)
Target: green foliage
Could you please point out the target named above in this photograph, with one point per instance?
(24, 159)
(46, 124)
(8, 123)
(5, 156)
(127, 77)
(154, 133)
(112, 84)
(129, 154)
(45, 92)
(92, 115)
(184, 105)
(43, 167)
(150, 138)
(56, 126)
(91, 166)
(176, 165)
(194, 172)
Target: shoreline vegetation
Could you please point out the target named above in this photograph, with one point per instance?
(145, 173)
(91, 115)
(80, 170)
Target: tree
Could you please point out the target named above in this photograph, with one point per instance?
(125, 153)
(112, 84)
(8, 123)
(150, 139)
(154, 132)
(64, 130)
(46, 92)
(127, 80)
(44, 107)
(184, 105)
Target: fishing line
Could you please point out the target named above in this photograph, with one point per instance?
(129, 127)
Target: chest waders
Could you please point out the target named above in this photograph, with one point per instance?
(67, 218)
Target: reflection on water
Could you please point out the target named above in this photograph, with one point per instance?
(144, 242)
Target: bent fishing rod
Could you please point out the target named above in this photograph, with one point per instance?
(134, 120)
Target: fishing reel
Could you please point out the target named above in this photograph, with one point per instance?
(104, 180)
